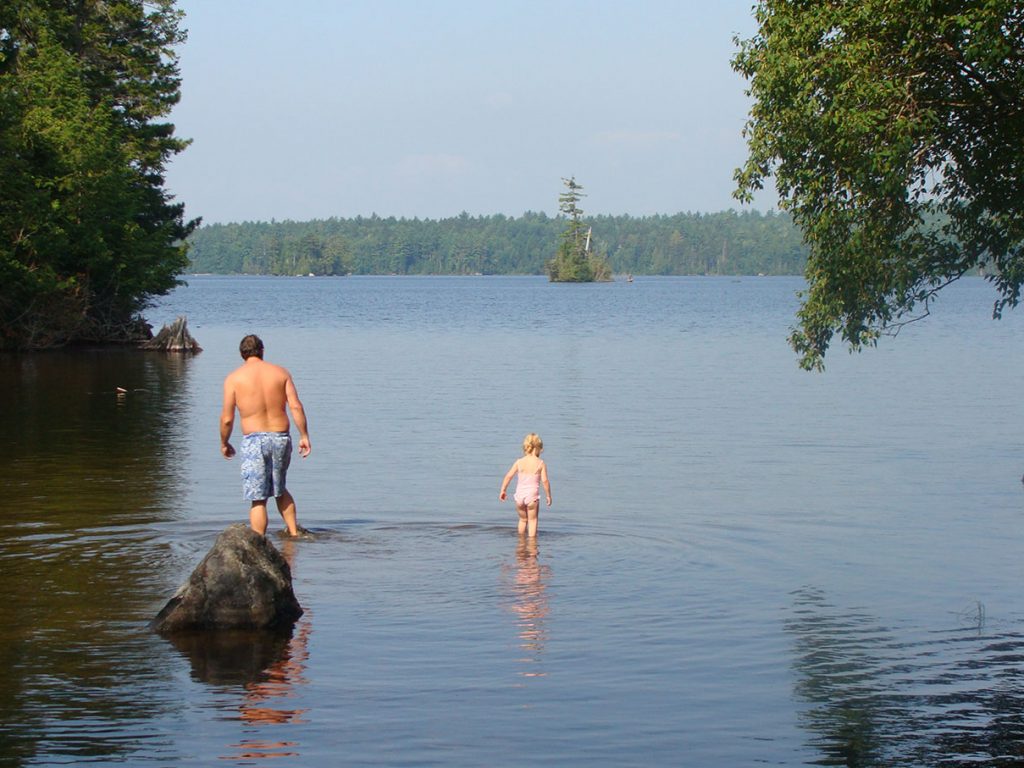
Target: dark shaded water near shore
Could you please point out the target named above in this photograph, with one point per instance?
(745, 564)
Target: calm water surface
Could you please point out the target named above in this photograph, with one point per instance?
(745, 564)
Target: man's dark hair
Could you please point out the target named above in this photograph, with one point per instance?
(251, 346)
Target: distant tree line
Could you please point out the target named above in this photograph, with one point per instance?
(725, 243)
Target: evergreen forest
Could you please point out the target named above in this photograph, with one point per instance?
(724, 243)
(88, 232)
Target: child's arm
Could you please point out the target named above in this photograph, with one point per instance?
(508, 479)
(544, 481)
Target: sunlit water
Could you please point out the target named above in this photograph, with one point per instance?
(745, 564)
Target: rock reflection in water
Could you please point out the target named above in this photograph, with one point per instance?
(954, 697)
(264, 668)
(528, 580)
(232, 657)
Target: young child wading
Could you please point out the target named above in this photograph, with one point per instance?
(530, 473)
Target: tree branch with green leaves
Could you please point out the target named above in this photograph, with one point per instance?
(892, 131)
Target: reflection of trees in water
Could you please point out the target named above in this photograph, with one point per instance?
(953, 698)
(528, 582)
(85, 471)
(83, 455)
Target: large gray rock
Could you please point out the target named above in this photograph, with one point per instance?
(242, 583)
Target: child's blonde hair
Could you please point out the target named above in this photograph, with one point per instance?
(533, 444)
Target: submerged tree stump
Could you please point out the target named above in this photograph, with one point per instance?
(174, 338)
(242, 583)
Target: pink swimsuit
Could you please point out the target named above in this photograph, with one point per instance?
(527, 488)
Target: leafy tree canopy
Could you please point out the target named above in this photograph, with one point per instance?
(893, 130)
(87, 233)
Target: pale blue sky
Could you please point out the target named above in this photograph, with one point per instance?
(319, 108)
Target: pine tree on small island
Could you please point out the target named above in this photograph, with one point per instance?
(575, 260)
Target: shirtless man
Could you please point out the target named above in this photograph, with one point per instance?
(260, 391)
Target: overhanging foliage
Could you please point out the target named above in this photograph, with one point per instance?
(893, 130)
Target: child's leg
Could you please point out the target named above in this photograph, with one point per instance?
(521, 510)
(532, 513)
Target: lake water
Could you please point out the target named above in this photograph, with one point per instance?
(745, 564)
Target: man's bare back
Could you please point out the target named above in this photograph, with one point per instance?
(261, 391)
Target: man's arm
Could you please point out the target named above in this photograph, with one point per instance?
(298, 416)
(227, 419)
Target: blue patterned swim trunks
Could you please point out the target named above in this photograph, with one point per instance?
(265, 459)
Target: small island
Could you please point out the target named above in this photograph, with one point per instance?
(576, 261)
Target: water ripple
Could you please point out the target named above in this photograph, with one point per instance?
(881, 695)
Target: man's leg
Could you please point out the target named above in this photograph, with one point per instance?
(258, 517)
(286, 506)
